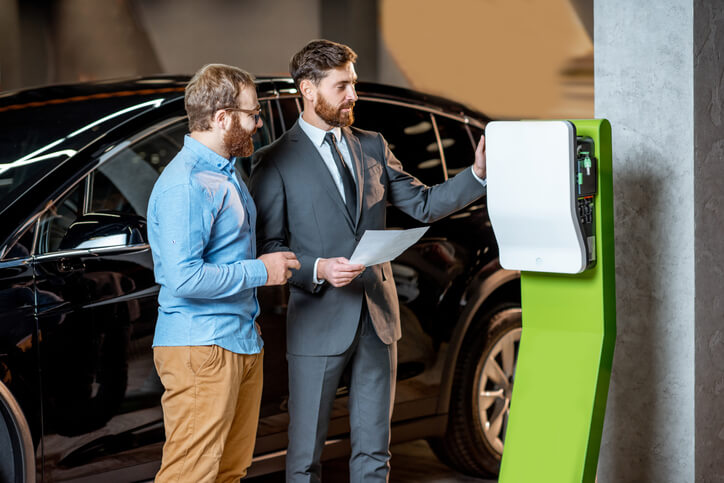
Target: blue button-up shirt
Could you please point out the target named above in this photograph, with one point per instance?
(201, 227)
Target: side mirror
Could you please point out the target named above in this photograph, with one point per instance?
(105, 229)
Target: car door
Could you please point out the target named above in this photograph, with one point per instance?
(468, 231)
(18, 337)
(96, 316)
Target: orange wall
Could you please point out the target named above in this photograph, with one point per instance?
(504, 57)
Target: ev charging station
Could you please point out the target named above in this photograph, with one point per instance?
(550, 202)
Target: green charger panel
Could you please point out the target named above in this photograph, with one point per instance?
(566, 350)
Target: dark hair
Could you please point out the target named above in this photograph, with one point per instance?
(213, 87)
(318, 57)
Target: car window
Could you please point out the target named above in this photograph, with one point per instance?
(409, 133)
(37, 135)
(160, 148)
(270, 114)
(22, 248)
(58, 218)
(458, 144)
(124, 183)
(289, 109)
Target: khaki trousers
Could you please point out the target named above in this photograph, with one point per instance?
(210, 412)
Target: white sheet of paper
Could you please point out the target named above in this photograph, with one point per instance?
(379, 246)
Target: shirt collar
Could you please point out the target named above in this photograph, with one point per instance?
(316, 134)
(207, 156)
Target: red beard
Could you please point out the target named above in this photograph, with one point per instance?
(334, 116)
(238, 141)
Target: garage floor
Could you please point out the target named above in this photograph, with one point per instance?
(411, 462)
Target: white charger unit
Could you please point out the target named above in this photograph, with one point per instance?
(532, 201)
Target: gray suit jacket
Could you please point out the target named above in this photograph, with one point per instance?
(301, 210)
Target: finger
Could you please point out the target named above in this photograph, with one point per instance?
(350, 268)
(288, 274)
(352, 273)
(353, 266)
(481, 145)
(289, 255)
(294, 264)
(341, 280)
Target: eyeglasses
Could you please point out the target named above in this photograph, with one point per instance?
(256, 113)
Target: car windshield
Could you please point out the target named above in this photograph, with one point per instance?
(35, 136)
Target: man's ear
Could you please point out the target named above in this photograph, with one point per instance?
(308, 89)
(219, 118)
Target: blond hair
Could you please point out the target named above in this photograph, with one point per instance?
(213, 87)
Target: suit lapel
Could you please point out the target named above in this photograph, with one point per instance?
(308, 152)
(355, 150)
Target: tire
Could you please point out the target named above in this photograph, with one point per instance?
(473, 441)
(17, 458)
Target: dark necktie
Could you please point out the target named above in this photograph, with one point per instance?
(346, 175)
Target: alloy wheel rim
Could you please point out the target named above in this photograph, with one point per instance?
(494, 388)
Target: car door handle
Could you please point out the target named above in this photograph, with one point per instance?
(66, 265)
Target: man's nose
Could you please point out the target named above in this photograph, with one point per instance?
(351, 93)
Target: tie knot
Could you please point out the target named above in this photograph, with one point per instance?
(330, 139)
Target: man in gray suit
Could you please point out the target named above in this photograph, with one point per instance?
(317, 189)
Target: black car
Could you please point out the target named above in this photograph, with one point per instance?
(79, 395)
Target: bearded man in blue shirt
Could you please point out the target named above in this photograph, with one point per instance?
(201, 226)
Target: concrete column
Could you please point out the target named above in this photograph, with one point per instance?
(658, 79)
(709, 239)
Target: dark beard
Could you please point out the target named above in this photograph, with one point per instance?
(334, 116)
(238, 141)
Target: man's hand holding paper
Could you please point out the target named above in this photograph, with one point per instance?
(338, 271)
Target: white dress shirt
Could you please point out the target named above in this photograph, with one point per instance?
(316, 135)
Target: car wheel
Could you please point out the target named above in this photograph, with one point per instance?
(481, 391)
(17, 459)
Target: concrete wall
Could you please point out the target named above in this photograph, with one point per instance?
(658, 78)
(512, 58)
(257, 36)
